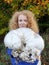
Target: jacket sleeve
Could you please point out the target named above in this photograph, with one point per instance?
(12, 59)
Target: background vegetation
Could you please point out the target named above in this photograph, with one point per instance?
(41, 10)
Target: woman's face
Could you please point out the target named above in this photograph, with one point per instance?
(22, 21)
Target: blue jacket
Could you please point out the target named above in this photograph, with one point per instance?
(20, 62)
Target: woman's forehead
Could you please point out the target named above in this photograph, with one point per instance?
(22, 16)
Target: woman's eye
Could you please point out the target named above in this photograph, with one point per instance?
(20, 20)
(25, 20)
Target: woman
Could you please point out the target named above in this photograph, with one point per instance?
(25, 19)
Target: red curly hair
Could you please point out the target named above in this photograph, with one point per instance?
(32, 23)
